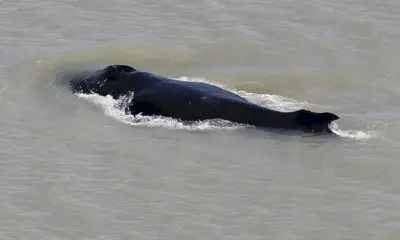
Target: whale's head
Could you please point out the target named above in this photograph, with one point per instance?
(112, 80)
(315, 122)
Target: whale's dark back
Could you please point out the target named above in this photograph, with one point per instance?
(192, 101)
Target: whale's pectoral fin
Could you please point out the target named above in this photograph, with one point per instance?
(315, 122)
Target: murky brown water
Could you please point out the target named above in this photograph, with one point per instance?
(76, 168)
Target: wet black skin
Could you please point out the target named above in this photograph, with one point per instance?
(192, 101)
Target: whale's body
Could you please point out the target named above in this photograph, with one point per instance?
(192, 101)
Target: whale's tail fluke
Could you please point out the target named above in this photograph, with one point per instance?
(315, 122)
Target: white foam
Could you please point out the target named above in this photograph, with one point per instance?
(353, 134)
(115, 109)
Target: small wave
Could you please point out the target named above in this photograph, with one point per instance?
(115, 109)
(352, 134)
(2, 89)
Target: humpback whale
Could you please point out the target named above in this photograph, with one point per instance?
(155, 95)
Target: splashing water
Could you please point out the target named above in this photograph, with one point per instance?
(353, 134)
(115, 109)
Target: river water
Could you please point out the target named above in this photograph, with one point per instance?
(75, 167)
